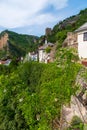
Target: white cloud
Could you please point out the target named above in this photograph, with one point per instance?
(18, 13)
(41, 19)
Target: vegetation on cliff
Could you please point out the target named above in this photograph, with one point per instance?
(31, 99)
(32, 93)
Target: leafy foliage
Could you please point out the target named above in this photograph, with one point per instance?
(76, 123)
(48, 49)
(32, 93)
(31, 99)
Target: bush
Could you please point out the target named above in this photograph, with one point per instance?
(48, 49)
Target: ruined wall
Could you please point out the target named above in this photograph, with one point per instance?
(48, 31)
(71, 40)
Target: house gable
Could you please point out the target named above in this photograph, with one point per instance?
(82, 41)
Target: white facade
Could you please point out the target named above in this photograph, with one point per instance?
(31, 56)
(82, 41)
(42, 54)
(82, 45)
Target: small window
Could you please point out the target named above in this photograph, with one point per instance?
(85, 36)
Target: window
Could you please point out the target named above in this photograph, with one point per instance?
(85, 36)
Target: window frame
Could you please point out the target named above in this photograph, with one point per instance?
(85, 36)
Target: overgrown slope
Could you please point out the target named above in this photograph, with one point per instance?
(31, 99)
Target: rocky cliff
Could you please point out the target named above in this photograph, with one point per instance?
(3, 40)
(78, 103)
(17, 44)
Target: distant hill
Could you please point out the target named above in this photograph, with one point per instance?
(18, 44)
(70, 24)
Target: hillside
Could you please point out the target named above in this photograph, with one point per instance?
(19, 44)
(70, 24)
(41, 96)
(31, 99)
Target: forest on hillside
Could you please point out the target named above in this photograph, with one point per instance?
(19, 44)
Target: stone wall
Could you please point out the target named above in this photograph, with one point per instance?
(71, 40)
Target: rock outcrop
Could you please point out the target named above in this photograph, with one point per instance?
(78, 104)
(3, 41)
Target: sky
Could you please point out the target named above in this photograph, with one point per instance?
(34, 16)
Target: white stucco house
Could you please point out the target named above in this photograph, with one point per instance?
(31, 56)
(82, 41)
(43, 56)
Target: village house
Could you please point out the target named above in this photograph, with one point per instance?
(31, 56)
(78, 40)
(43, 55)
(82, 41)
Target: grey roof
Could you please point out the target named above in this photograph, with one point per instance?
(50, 44)
(46, 45)
(82, 28)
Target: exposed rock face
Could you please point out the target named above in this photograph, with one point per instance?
(3, 41)
(76, 109)
(78, 104)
